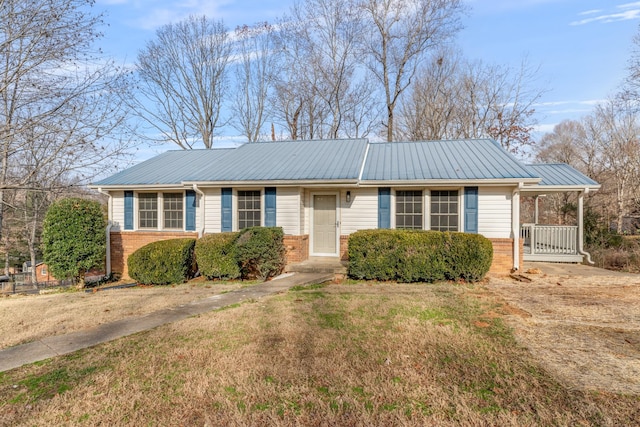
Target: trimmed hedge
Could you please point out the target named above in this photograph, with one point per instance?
(163, 262)
(418, 256)
(469, 256)
(260, 252)
(216, 256)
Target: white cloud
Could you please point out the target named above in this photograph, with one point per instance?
(150, 14)
(629, 5)
(629, 11)
(590, 12)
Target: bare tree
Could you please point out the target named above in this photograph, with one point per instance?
(613, 133)
(402, 33)
(182, 81)
(59, 103)
(254, 71)
(456, 98)
(296, 103)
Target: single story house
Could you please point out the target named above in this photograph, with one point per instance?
(321, 191)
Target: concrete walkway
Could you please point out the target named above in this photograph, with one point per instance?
(58, 345)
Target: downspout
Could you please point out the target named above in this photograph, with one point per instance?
(515, 226)
(581, 250)
(202, 208)
(108, 230)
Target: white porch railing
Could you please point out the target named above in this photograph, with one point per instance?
(549, 239)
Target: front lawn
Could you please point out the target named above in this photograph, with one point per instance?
(355, 354)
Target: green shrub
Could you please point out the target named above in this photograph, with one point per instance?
(469, 256)
(423, 259)
(216, 256)
(73, 238)
(418, 256)
(374, 254)
(261, 252)
(163, 262)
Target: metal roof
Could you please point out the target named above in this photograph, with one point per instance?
(350, 160)
(319, 160)
(441, 160)
(322, 160)
(561, 174)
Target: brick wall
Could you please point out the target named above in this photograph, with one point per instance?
(503, 256)
(124, 244)
(297, 248)
(344, 246)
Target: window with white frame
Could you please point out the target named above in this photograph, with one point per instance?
(409, 209)
(148, 210)
(444, 210)
(249, 209)
(172, 210)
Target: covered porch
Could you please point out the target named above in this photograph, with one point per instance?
(553, 242)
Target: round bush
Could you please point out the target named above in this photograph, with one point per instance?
(163, 262)
(261, 252)
(216, 256)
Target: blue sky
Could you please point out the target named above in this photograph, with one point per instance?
(580, 46)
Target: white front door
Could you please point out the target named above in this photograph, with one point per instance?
(325, 228)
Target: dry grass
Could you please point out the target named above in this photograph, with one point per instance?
(29, 317)
(586, 330)
(337, 355)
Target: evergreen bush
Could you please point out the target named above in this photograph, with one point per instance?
(418, 256)
(216, 256)
(73, 238)
(163, 262)
(261, 252)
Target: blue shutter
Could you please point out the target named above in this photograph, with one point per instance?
(227, 210)
(190, 211)
(384, 207)
(470, 209)
(128, 210)
(270, 207)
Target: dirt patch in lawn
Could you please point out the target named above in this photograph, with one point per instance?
(582, 323)
(27, 318)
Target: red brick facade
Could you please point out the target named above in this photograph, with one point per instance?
(503, 256)
(297, 248)
(124, 244)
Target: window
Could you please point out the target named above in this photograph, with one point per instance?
(444, 210)
(43, 272)
(248, 209)
(172, 210)
(148, 210)
(409, 209)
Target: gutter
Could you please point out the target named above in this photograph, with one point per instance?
(202, 209)
(108, 230)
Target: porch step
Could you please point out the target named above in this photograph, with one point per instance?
(318, 265)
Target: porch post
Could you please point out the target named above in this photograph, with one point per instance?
(515, 226)
(581, 225)
(535, 212)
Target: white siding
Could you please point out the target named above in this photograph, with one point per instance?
(305, 210)
(117, 204)
(288, 210)
(213, 214)
(361, 213)
(494, 212)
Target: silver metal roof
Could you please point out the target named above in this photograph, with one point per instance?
(441, 160)
(561, 174)
(326, 161)
(321, 160)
